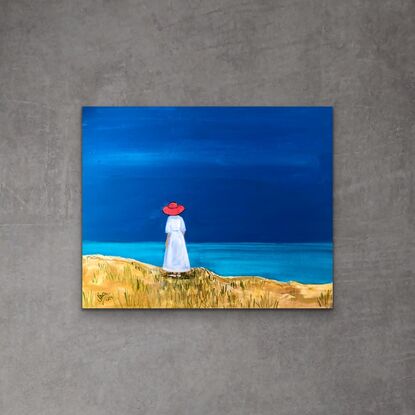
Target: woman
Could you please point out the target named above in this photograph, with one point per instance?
(175, 258)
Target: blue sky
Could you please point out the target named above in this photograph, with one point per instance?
(245, 174)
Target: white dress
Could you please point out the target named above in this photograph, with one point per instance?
(175, 257)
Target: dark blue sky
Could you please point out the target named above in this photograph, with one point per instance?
(248, 174)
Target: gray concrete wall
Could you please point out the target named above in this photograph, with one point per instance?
(56, 56)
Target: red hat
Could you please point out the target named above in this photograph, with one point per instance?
(173, 208)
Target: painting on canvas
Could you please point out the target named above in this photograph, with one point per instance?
(207, 207)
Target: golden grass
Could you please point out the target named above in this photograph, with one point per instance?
(110, 282)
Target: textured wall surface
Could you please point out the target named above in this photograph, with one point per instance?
(56, 56)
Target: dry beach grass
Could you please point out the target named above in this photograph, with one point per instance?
(112, 282)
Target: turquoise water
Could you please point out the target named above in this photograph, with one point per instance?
(306, 263)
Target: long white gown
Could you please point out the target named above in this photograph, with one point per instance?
(176, 258)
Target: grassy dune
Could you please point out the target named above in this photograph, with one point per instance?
(110, 282)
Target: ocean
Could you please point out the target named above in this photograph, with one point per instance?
(308, 263)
